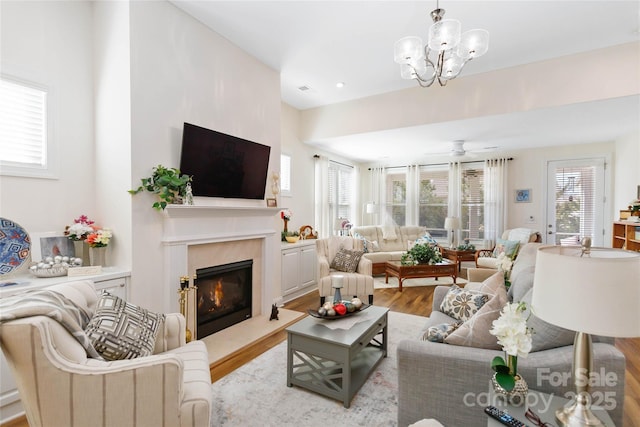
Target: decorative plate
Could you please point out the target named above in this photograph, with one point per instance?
(314, 313)
(15, 246)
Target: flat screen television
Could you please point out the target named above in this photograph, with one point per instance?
(223, 165)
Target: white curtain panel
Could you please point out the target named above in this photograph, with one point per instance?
(413, 195)
(495, 199)
(322, 211)
(378, 186)
(455, 195)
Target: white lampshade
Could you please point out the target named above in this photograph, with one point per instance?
(408, 49)
(598, 293)
(412, 70)
(473, 43)
(452, 67)
(451, 223)
(444, 35)
(372, 208)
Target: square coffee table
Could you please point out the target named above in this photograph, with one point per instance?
(445, 268)
(336, 362)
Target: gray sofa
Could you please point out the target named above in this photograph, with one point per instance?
(386, 243)
(442, 381)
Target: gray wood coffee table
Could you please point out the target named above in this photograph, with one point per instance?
(336, 362)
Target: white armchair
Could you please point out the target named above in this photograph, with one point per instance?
(358, 283)
(59, 385)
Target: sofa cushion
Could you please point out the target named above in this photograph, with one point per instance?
(462, 304)
(439, 332)
(508, 247)
(545, 335)
(475, 331)
(368, 245)
(120, 330)
(346, 260)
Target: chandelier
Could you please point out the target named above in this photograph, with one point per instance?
(453, 50)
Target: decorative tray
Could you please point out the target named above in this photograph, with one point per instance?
(314, 313)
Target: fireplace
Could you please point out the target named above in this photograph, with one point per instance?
(223, 296)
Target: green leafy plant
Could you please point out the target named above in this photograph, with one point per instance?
(421, 254)
(168, 183)
(466, 247)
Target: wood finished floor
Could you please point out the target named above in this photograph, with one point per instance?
(416, 301)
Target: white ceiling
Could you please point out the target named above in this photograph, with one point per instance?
(319, 43)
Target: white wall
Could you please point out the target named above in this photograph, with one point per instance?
(301, 201)
(627, 172)
(50, 43)
(181, 71)
(113, 125)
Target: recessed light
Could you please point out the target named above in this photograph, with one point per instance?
(340, 84)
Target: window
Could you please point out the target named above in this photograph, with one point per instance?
(285, 175)
(433, 203)
(24, 148)
(341, 190)
(396, 196)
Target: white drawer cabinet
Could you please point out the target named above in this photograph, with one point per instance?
(112, 280)
(299, 263)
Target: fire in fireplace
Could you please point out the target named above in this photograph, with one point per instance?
(223, 296)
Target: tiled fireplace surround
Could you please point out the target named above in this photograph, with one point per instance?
(203, 236)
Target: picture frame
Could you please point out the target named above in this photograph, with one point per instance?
(523, 196)
(56, 245)
(272, 203)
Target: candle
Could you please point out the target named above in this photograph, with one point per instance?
(336, 281)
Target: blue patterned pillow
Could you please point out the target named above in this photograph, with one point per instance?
(427, 239)
(359, 236)
(439, 332)
(509, 247)
(461, 304)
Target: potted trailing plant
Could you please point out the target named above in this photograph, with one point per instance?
(421, 253)
(168, 183)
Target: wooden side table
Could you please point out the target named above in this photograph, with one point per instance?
(458, 256)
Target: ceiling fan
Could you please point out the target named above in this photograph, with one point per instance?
(458, 150)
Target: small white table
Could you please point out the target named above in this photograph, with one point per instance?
(539, 403)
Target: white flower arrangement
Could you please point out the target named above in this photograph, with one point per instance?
(515, 338)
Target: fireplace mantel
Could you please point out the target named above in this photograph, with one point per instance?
(200, 226)
(193, 211)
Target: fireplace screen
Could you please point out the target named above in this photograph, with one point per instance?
(223, 296)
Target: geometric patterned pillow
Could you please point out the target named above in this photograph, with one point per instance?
(439, 332)
(461, 304)
(120, 330)
(346, 260)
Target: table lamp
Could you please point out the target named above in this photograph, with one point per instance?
(452, 223)
(593, 292)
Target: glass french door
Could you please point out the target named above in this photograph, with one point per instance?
(575, 201)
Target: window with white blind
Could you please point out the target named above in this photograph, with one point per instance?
(433, 203)
(472, 202)
(341, 190)
(285, 175)
(396, 195)
(24, 148)
(575, 203)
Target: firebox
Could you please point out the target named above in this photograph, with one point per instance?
(223, 296)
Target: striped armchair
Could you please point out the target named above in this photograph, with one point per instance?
(60, 386)
(358, 283)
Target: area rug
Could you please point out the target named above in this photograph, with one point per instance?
(379, 282)
(256, 394)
